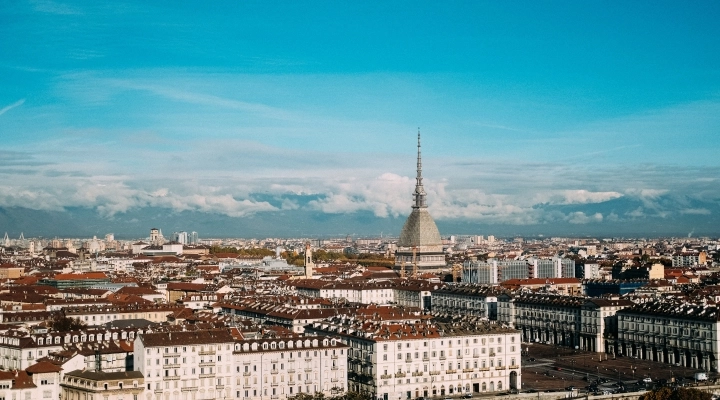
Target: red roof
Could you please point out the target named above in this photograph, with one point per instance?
(43, 367)
(87, 275)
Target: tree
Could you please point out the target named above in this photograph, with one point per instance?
(667, 393)
(63, 323)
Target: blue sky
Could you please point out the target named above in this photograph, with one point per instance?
(255, 108)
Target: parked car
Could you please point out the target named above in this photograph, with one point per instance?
(467, 396)
(532, 359)
(647, 380)
(570, 388)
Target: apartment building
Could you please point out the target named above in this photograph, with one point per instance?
(475, 300)
(88, 384)
(282, 368)
(218, 363)
(391, 360)
(98, 315)
(198, 363)
(361, 292)
(493, 271)
(599, 323)
(689, 259)
(19, 350)
(543, 317)
(671, 331)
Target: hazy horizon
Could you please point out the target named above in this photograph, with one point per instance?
(246, 118)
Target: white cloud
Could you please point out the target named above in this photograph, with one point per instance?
(386, 195)
(11, 106)
(696, 211)
(581, 218)
(646, 193)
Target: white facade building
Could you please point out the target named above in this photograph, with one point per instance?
(395, 361)
(218, 364)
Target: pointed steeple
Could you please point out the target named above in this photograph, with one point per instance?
(419, 190)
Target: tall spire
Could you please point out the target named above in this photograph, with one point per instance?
(419, 190)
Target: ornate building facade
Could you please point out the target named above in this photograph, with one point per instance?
(420, 244)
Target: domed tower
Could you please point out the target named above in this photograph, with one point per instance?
(420, 242)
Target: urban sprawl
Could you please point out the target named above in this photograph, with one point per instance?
(418, 315)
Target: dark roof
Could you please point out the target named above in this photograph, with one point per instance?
(103, 376)
(212, 336)
(129, 323)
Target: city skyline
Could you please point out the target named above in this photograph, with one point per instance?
(286, 120)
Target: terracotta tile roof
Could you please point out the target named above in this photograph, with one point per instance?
(138, 291)
(21, 379)
(86, 275)
(43, 367)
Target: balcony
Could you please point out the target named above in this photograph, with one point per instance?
(499, 368)
(400, 375)
(246, 373)
(208, 375)
(207, 364)
(291, 371)
(187, 389)
(334, 367)
(476, 355)
(273, 384)
(172, 378)
(442, 357)
(451, 371)
(468, 369)
(385, 376)
(171, 366)
(308, 360)
(308, 370)
(417, 373)
(426, 358)
(334, 357)
(514, 367)
(207, 353)
(171, 354)
(334, 379)
(434, 372)
(219, 387)
(274, 371)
